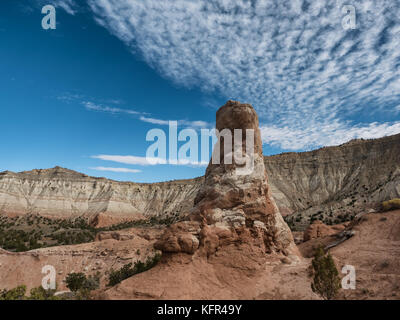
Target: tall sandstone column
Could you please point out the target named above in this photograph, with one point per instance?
(233, 244)
(232, 207)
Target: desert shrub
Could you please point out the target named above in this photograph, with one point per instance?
(128, 270)
(326, 281)
(75, 281)
(41, 294)
(92, 282)
(81, 285)
(73, 237)
(391, 204)
(17, 293)
(116, 276)
(33, 232)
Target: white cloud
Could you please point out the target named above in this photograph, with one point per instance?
(154, 121)
(144, 161)
(291, 59)
(95, 107)
(186, 123)
(69, 6)
(123, 170)
(132, 160)
(70, 97)
(196, 123)
(336, 134)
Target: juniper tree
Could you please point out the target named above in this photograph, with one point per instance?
(326, 280)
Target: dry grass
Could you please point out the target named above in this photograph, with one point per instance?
(391, 205)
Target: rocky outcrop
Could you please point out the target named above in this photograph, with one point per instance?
(234, 236)
(231, 207)
(320, 230)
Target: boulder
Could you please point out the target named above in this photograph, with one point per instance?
(320, 230)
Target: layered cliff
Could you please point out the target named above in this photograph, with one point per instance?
(335, 183)
(324, 184)
(63, 193)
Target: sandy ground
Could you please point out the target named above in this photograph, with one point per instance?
(89, 258)
(233, 273)
(374, 251)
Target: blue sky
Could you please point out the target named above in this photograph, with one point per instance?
(114, 69)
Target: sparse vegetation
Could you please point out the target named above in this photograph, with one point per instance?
(41, 294)
(31, 232)
(129, 270)
(326, 281)
(140, 223)
(75, 281)
(391, 204)
(81, 285)
(19, 292)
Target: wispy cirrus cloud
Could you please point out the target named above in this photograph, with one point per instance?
(142, 116)
(154, 121)
(101, 105)
(70, 6)
(196, 124)
(186, 123)
(96, 107)
(131, 160)
(118, 170)
(291, 59)
(146, 161)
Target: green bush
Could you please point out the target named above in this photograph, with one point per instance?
(81, 285)
(75, 281)
(41, 294)
(92, 282)
(128, 270)
(17, 293)
(326, 280)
